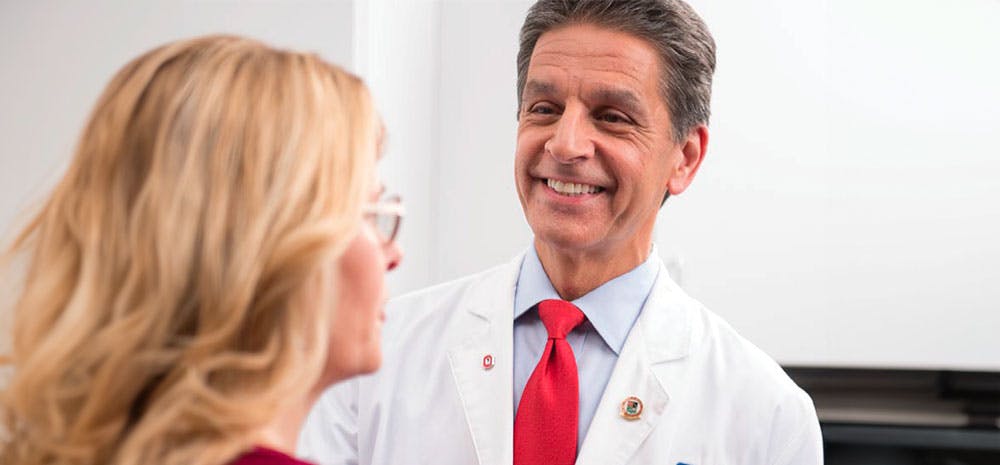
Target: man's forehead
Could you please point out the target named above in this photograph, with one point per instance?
(596, 48)
(614, 66)
(583, 61)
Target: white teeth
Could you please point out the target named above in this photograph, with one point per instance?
(569, 188)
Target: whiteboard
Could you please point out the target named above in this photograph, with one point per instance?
(848, 211)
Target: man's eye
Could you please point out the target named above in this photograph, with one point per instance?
(613, 118)
(542, 110)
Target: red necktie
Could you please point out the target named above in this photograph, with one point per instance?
(546, 424)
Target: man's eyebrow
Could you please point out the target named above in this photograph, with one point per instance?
(626, 99)
(535, 87)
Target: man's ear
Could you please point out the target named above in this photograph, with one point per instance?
(692, 150)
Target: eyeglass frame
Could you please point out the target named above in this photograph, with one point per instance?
(390, 205)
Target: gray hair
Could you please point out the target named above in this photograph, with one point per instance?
(680, 37)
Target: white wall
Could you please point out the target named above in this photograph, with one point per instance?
(398, 55)
(56, 57)
(479, 220)
(443, 76)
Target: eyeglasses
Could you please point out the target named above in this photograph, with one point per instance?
(385, 216)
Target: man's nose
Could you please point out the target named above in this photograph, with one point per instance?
(572, 140)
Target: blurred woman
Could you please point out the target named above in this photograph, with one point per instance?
(210, 262)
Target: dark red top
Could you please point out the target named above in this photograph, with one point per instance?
(263, 456)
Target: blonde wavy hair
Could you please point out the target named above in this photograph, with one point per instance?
(179, 277)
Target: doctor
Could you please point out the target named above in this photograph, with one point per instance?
(582, 350)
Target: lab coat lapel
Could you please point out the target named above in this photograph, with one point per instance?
(661, 334)
(486, 392)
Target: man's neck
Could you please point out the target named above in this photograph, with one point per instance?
(574, 274)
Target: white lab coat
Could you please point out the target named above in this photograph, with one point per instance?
(709, 396)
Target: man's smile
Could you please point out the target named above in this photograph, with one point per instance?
(571, 188)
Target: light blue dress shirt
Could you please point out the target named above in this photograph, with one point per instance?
(611, 310)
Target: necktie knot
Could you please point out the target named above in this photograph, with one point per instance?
(559, 317)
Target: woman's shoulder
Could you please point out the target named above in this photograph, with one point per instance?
(264, 456)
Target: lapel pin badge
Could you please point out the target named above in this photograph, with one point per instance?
(631, 408)
(488, 361)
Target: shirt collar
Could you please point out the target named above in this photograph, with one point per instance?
(612, 308)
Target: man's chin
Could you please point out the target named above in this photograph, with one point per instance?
(564, 240)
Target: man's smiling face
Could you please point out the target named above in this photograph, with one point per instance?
(594, 150)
